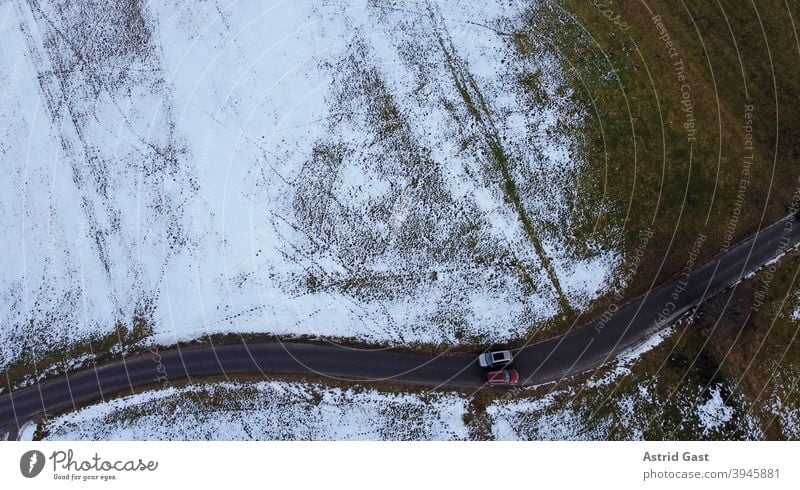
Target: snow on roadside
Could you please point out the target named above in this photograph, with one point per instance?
(625, 361)
(714, 413)
(27, 431)
(271, 410)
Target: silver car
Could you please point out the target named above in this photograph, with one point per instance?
(496, 358)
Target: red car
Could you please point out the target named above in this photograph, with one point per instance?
(506, 377)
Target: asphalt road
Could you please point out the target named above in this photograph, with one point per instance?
(581, 349)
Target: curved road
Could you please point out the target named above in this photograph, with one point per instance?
(579, 350)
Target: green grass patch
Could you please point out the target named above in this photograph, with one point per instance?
(645, 160)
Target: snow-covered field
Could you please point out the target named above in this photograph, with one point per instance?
(301, 168)
(276, 410)
(267, 411)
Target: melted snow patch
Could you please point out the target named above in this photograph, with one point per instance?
(786, 413)
(27, 431)
(624, 362)
(789, 420)
(714, 412)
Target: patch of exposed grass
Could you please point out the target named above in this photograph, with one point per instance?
(480, 111)
(477, 419)
(640, 166)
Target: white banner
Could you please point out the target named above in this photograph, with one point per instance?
(371, 465)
